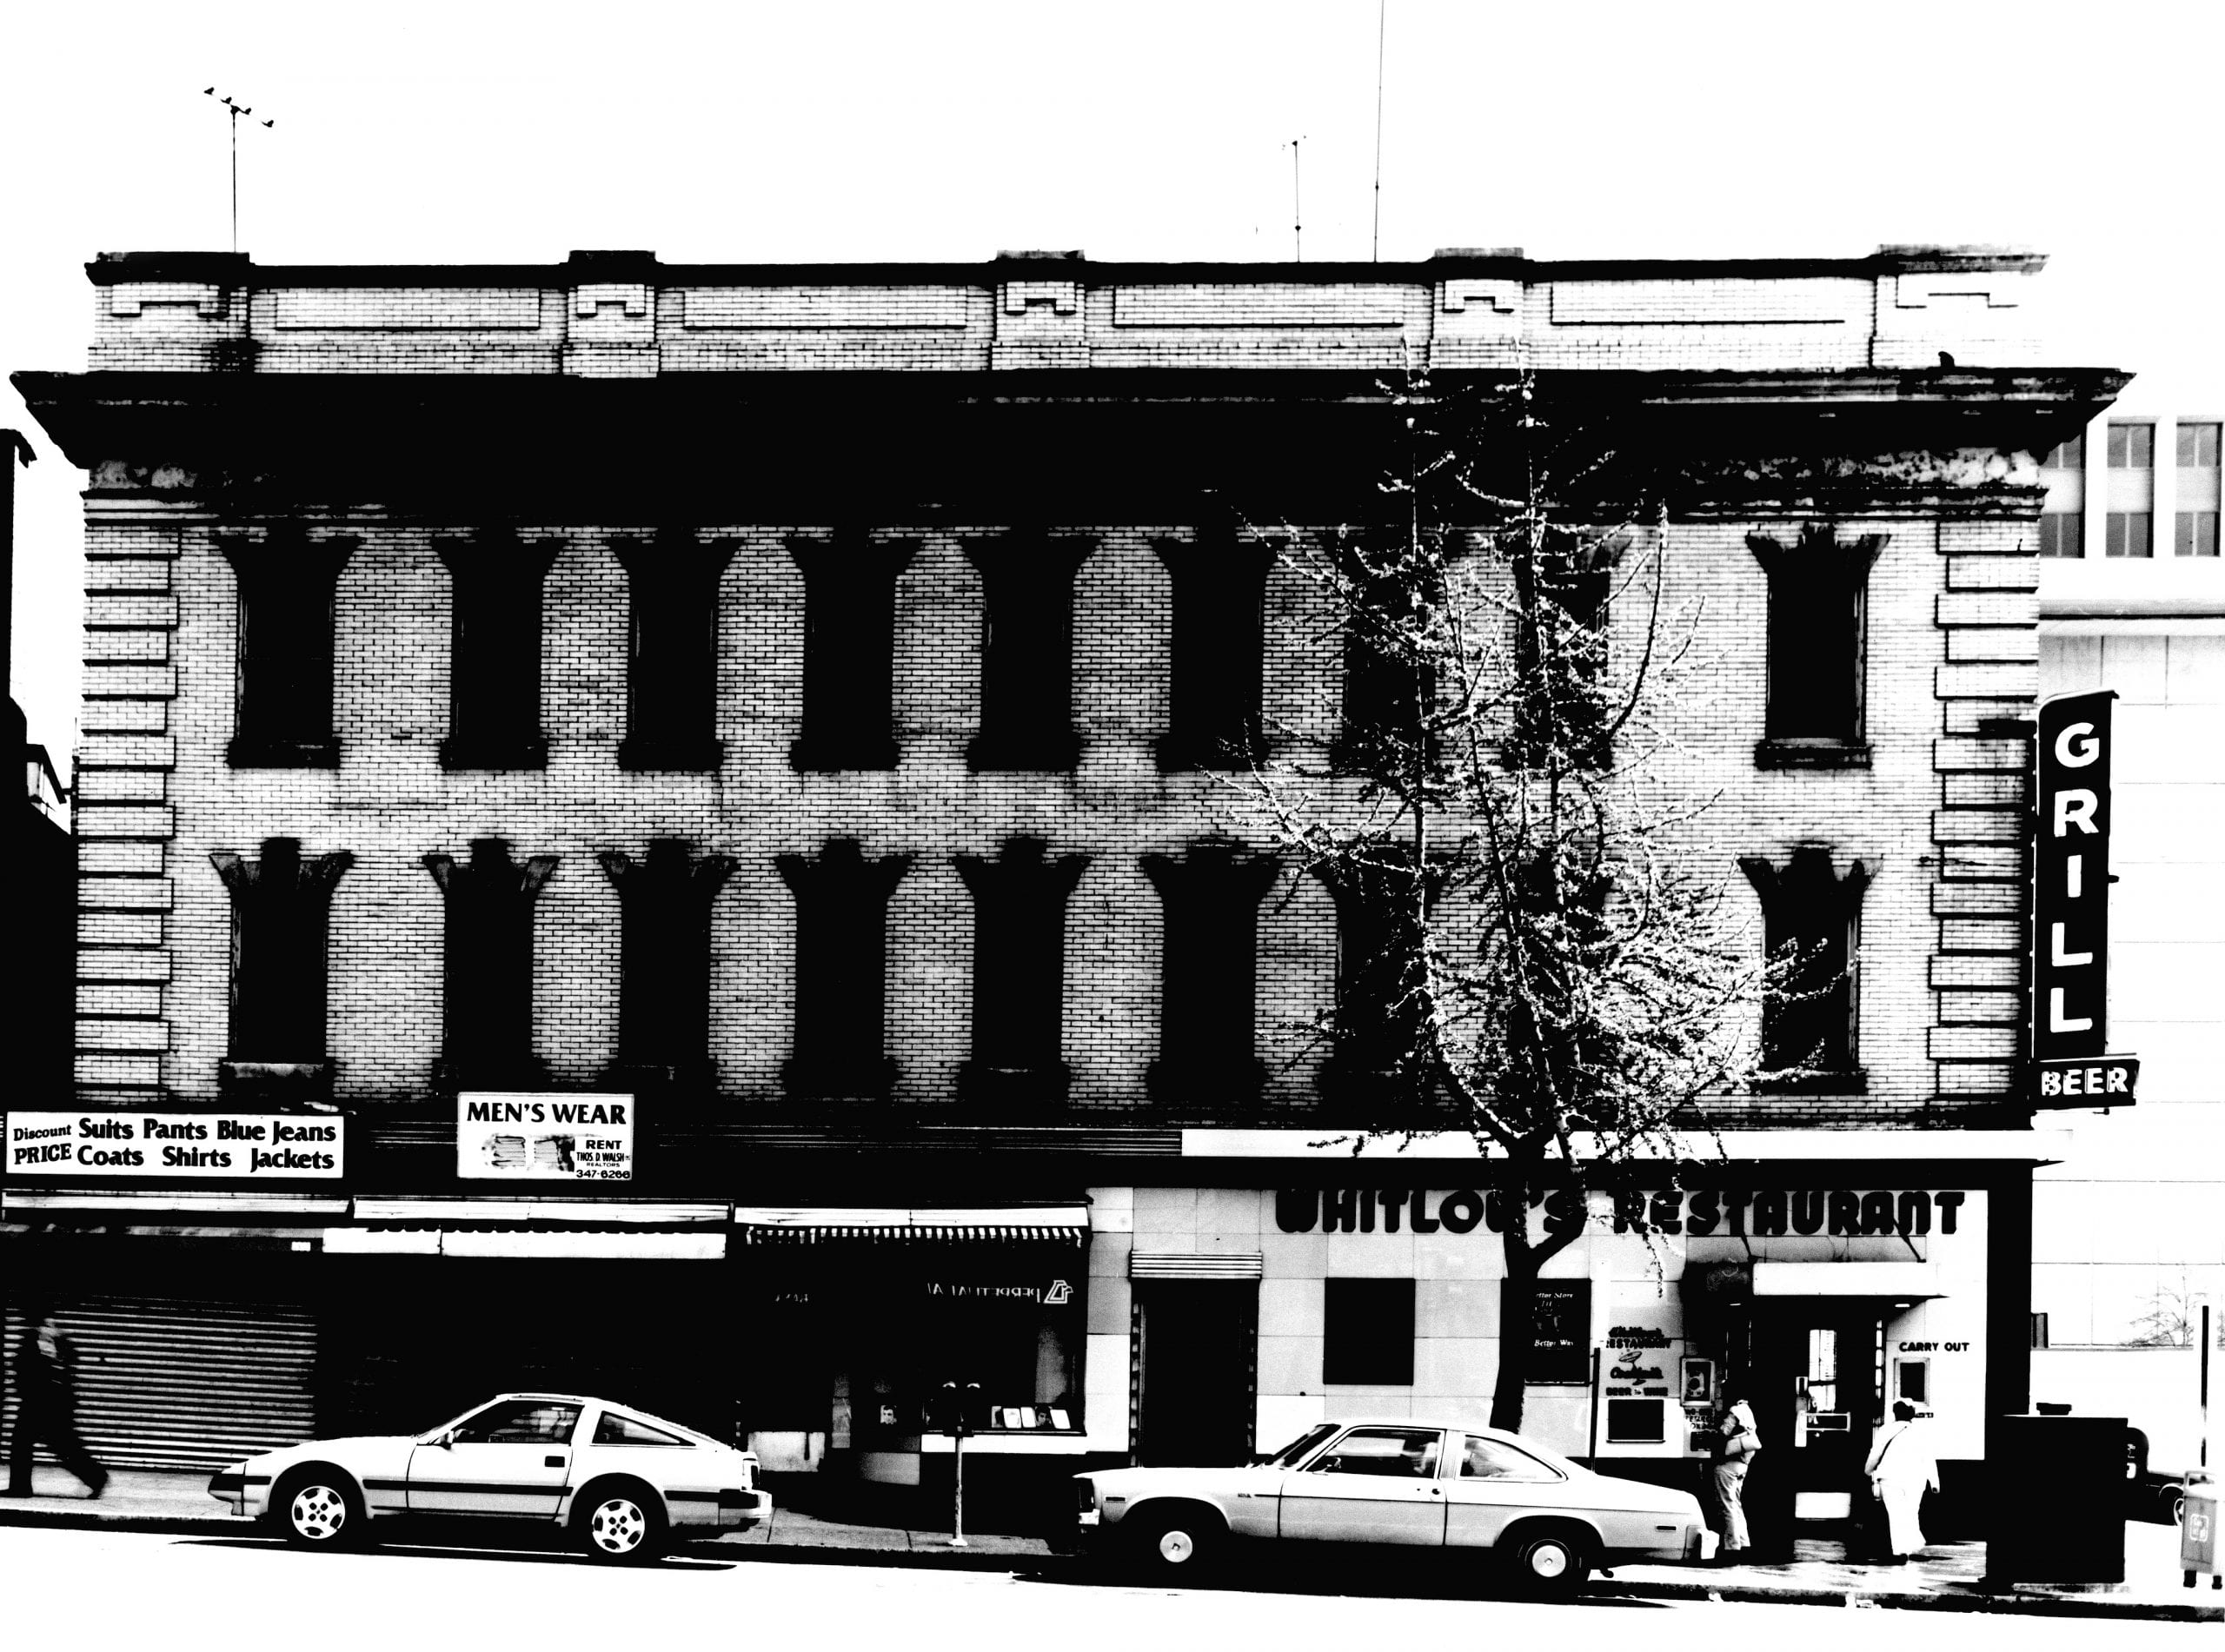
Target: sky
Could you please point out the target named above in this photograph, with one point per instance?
(478, 132)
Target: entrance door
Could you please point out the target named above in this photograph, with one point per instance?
(1814, 1400)
(1197, 1361)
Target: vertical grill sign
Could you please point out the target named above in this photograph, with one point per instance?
(2070, 911)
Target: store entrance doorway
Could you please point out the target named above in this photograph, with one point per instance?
(1196, 1368)
(1815, 1398)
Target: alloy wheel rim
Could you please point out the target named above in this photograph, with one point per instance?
(618, 1526)
(319, 1512)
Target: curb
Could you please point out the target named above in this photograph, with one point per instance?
(2001, 1605)
(2004, 1605)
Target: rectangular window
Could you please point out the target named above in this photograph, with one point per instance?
(2067, 455)
(281, 911)
(664, 901)
(841, 970)
(2197, 534)
(495, 653)
(2127, 534)
(672, 655)
(1811, 919)
(1636, 1422)
(2132, 447)
(2063, 533)
(1819, 597)
(849, 645)
(1367, 1332)
(288, 587)
(1020, 975)
(2039, 1331)
(1209, 974)
(1027, 653)
(487, 901)
(1215, 651)
(2198, 447)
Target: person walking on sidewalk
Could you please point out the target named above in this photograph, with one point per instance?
(46, 1407)
(1902, 1469)
(1737, 1441)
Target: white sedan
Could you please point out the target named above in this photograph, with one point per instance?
(617, 1479)
(1421, 1485)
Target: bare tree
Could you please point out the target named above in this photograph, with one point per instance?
(1533, 951)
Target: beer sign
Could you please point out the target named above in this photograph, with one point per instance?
(2070, 911)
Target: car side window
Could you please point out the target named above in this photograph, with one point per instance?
(1400, 1453)
(1496, 1460)
(612, 1429)
(521, 1422)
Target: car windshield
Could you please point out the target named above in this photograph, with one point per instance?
(1304, 1443)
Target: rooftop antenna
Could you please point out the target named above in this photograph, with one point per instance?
(236, 112)
(1382, 21)
(1297, 234)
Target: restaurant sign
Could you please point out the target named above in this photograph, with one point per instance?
(230, 1146)
(2071, 912)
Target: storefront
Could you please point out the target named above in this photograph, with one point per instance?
(868, 1322)
(197, 1317)
(1821, 1290)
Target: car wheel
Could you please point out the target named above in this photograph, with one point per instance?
(1550, 1561)
(619, 1524)
(1177, 1543)
(2174, 1505)
(318, 1508)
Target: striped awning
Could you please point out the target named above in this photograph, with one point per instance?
(1196, 1264)
(1065, 1224)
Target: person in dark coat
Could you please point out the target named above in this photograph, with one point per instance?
(46, 1407)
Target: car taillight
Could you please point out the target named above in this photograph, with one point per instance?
(1085, 1495)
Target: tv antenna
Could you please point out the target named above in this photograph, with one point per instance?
(1297, 233)
(1382, 22)
(235, 110)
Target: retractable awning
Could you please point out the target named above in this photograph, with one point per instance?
(999, 1224)
(1905, 1280)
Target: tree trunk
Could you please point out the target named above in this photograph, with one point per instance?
(1517, 1302)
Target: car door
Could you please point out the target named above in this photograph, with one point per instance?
(512, 1457)
(1491, 1483)
(1374, 1484)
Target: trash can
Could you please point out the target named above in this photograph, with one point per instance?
(2198, 1527)
(2055, 1506)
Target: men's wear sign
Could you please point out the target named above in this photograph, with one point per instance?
(232, 1146)
(2070, 911)
(544, 1137)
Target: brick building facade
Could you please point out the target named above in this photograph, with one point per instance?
(759, 692)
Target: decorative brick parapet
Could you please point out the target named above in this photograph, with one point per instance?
(626, 315)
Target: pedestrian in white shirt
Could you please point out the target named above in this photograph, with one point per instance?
(1902, 1469)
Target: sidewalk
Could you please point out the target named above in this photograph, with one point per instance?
(1945, 1577)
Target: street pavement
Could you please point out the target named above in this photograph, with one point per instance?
(1946, 1576)
(113, 1588)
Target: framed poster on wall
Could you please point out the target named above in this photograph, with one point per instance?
(1560, 1331)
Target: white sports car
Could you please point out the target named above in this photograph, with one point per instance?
(1424, 1485)
(618, 1480)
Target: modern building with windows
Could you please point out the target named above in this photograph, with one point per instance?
(2126, 1247)
(671, 820)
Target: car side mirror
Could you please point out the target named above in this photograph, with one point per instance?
(446, 1440)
